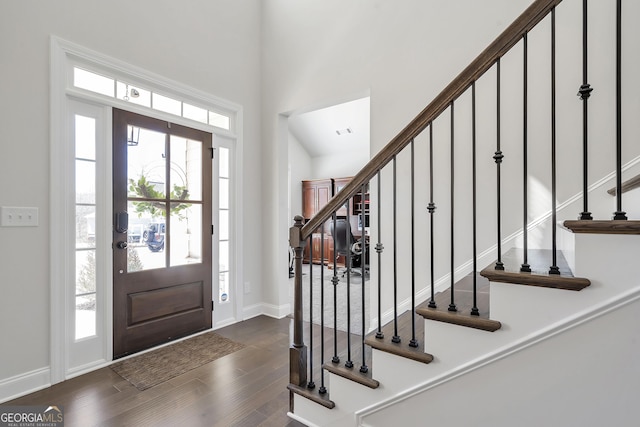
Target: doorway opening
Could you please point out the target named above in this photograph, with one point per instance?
(326, 147)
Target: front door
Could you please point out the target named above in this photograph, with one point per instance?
(161, 232)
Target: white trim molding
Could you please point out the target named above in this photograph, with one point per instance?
(20, 385)
(271, 310)
(64, 56)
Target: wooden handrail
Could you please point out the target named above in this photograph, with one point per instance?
(500, 46)
(628, 185)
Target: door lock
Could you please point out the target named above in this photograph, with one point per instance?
(122, 245)
(122, 222)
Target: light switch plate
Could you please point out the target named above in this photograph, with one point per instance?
(18, 217)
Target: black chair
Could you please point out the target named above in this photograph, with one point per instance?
(347, 246)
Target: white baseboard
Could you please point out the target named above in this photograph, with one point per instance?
(23, 384)
(252, 311)
(226, 322)
(85, 369)
(276, 311)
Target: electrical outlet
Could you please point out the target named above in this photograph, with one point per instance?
(18, 217)
(247, 287)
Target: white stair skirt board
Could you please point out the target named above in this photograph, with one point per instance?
(459, 351)
(395, 375)
(569, 379)
(532, 318)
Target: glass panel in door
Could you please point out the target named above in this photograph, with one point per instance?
(162, 238)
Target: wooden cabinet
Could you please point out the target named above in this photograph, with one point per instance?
(339, 184)
(316, 243)
(315, 194)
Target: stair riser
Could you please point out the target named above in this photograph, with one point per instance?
(351, 395)
(454, 346)
(398, 373)
(308, 410)
(610, 259)
(529, 308)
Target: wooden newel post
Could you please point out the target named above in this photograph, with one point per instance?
(297, 351)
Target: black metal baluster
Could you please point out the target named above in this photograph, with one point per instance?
(322, 389)
(311, 384)
(396, 337)
(525, 267)
(619, 214)
(413, 342)
(554, 269)
(474, 309)
(379, 249)
(335, 281)
(363, 256)
(498, 156)
(452, 305)
(431, 207)
(349, 362)
(585, 93)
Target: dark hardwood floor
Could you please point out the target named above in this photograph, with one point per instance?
(246, 388)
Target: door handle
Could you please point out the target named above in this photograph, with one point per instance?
(121, 245)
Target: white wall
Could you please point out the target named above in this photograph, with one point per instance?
(210, 45)
(404, 53)
(316, 52)
(339, 165)
(300, 165)
(305, 167)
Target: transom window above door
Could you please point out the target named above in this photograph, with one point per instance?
(116, 88)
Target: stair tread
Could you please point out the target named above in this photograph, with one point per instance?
(461, 319)
(531, 279)
(313, 395)
(405, 332)
(628, 185)
(463, 299)
(603, 227)
(539, 261)
(353, 374)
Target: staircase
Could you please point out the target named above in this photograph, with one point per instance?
(494, 307)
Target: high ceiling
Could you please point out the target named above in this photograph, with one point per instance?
(317, 130)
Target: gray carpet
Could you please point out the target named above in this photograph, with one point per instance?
(355, 286)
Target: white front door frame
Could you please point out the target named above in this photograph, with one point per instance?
(63, 56)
